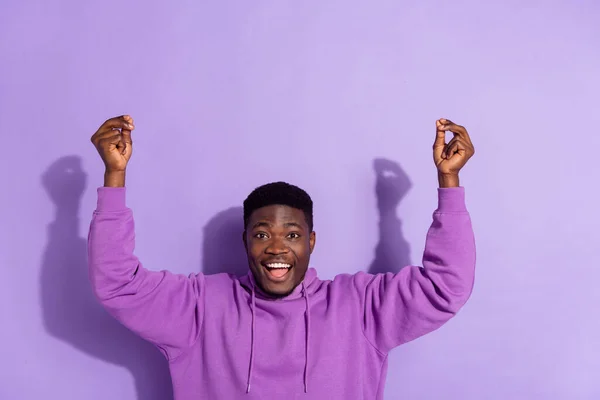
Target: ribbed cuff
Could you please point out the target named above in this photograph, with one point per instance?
(451, 199)
(111, 199)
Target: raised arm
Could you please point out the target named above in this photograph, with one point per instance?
(161, 307)
(403, 306)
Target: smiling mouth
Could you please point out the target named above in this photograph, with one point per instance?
(277, 271)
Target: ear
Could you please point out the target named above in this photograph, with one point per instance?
(312, 240)
(244, 240)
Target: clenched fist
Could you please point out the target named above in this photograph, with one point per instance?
(114, 144)
(450, 157)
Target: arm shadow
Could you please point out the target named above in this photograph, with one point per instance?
(71, 312)
(392, 252)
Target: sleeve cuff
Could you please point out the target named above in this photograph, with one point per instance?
(111, 199)
(451, 200)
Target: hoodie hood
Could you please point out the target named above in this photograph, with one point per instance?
(307, 287)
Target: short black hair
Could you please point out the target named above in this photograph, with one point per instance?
(279, 193)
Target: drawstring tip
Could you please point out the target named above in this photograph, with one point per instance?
(248, 389)
(305, 388)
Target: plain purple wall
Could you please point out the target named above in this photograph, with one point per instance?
(229, 95)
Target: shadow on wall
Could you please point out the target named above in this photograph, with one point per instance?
(222, 248)
(70, 310)
(392, 252)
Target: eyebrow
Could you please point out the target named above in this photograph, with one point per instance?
(268, 225)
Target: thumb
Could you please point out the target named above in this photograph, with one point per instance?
(440, 135)
(126, 136)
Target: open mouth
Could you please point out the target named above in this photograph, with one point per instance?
(277, 271)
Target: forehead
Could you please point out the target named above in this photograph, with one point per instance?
(277, 215)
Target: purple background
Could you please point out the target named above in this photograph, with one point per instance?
(229, 95)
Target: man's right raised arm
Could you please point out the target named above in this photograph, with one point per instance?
(164, 308)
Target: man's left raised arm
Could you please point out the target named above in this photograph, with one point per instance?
(403, 306)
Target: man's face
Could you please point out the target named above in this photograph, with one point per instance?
(278, 242)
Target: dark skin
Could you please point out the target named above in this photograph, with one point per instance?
(278, 233)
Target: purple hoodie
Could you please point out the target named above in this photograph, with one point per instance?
(329, 339)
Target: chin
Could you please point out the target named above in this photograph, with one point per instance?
(277, 290)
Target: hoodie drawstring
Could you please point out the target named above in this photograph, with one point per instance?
(307, 344)
(252, 340)
(307, 339)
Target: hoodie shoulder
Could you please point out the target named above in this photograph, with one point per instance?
(347, 286)
(223, 283)
(358, 280)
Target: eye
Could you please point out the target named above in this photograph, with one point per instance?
(293, 235)
(261, 235)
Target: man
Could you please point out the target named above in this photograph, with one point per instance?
(280, 332)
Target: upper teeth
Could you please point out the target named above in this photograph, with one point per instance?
(278, 265)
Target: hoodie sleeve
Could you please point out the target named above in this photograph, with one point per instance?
(400, 307)
(161, 307)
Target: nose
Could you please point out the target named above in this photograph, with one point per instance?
(276, 247)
